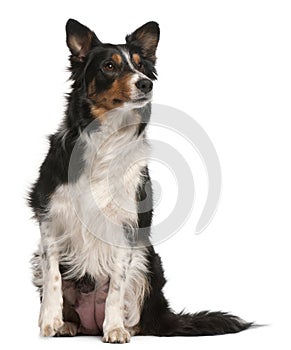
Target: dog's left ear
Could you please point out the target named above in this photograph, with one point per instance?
(146, 38)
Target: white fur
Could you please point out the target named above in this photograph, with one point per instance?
(128, 60)
(50, 318)
(135, 92)
(87, 219)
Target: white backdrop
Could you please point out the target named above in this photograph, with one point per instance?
(227, 64)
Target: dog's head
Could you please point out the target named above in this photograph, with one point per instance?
(113, 76)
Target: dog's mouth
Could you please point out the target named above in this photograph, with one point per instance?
(116, 101)
(142, 99)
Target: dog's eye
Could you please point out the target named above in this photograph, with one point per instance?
(139, 65)
(109, 67)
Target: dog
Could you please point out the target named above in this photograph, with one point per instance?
(96, 269)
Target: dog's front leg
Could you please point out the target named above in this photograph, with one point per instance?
(50, 318)
(113, 327)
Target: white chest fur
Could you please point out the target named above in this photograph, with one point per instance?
(89, 215)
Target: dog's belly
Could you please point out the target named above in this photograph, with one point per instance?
(88, 304)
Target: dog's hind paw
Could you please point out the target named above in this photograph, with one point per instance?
(68, 329)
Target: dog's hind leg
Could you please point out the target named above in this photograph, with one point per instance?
(50, 318)
(71, 321)
(70, 316)
(68, 329)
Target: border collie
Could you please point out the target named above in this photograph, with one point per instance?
(95, 268)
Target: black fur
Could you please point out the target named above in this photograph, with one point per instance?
(158, 319)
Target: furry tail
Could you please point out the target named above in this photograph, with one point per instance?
(199, 324)
(158, 319)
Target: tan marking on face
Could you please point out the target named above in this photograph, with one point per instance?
(136, 58)
(117, 58)
(57, 278)
(116, 96)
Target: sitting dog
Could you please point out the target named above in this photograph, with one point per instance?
(96, 269)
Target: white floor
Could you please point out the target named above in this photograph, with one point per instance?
(260, 338)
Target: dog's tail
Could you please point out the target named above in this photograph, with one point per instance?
(199, 324)
(158, 319)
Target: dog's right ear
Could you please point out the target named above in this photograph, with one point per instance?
(80, 39)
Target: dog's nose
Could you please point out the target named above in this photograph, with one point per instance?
(145, 85)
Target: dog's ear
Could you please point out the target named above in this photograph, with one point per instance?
(80, 39)
(146, 38)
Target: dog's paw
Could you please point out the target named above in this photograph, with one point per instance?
(68, 329)
(116, 335)
(50, 322)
